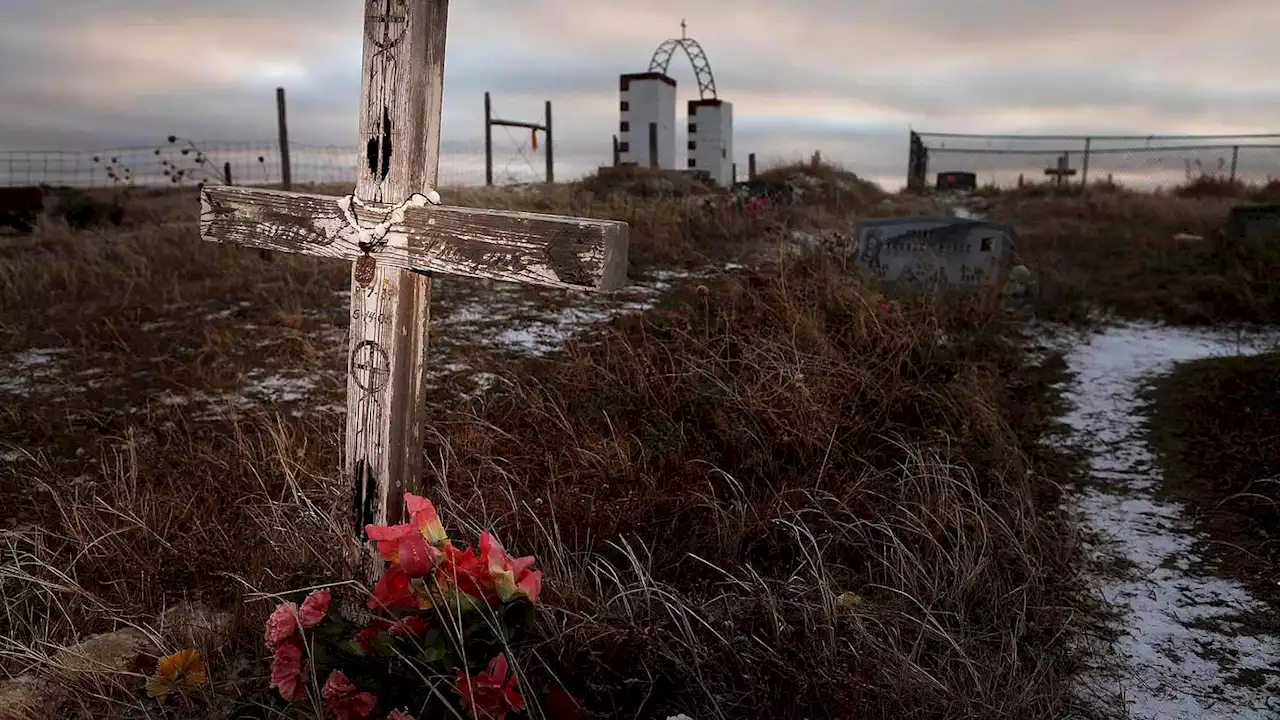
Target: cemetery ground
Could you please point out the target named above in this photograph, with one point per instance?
(756, 486)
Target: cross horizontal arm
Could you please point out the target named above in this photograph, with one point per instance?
(530, 248)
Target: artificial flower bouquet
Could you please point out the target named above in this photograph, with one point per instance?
(445, 621)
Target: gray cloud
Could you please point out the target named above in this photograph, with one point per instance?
(846, 78)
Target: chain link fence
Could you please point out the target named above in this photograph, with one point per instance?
(183, 162)
(1145, 162)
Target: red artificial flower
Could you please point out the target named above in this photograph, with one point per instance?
(464, 570)
(343, 701)
(364, 638)
(286, 672)
(560, 705)
(416, 556)
(281, 625)
(388, 539)
(489, 694)
(314, 608)
(511, 577)
(392, 591)
(412, 626)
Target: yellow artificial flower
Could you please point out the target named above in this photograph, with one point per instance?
(183, 670)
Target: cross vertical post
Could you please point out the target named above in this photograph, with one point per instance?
(401, 97)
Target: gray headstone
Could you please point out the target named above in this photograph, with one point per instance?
(930, 253)
(1254, 221)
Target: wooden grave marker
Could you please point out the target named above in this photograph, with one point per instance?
(1061, 172)
(394, 231)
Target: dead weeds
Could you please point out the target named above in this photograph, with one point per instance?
(1143, 256)
(1216, 425)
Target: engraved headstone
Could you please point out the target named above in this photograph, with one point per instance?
(932, 253)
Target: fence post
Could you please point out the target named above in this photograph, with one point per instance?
(551, 170)
(226, 172)
(286, 177)
(617, 154)
(917, 163)
(488, 142)
(751, 166)
(1084, 164)
(1235, 156)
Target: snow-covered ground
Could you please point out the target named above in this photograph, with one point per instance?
(498, 320)
(1181, 652)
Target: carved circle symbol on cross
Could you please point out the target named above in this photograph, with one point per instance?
(370, 358)
(385, 22)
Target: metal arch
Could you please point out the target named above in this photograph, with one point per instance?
(701, 66)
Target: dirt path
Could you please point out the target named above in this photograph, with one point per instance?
(1181, 647)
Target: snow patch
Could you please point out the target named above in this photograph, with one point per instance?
(1180, 653)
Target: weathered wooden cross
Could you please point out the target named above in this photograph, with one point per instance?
(395, 231)
(1062, 172)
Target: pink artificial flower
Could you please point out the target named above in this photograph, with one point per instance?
(286, 673)
(314, 608)
(282, 624)
(511, 577)
(343, 701)
(423, 522)
(489, 694)
(423, 518)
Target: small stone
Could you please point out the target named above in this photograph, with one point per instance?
(195, 625)
(24, 698)
(121, 651)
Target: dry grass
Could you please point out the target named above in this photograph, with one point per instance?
(1216, 423)
(768, 499)
(1128, 252)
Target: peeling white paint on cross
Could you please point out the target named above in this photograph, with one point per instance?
(394, 230)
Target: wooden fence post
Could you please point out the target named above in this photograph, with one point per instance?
(286, 176)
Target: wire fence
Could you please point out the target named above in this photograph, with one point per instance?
(1132, 160)
(186, 162)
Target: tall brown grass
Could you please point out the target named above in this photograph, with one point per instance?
(773, 496)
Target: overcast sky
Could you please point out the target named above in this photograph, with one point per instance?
(848, 78)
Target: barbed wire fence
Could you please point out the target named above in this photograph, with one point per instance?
(185, 162)
(1135, 161)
